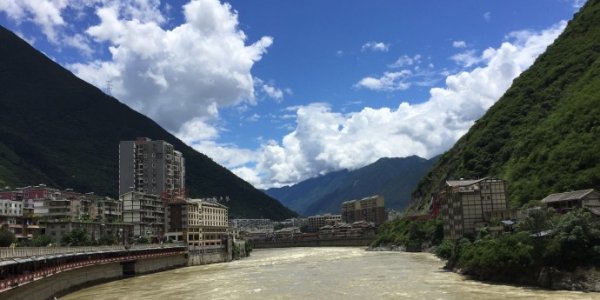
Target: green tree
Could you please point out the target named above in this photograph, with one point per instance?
(6, 238)
(40, 240)
(77, 237)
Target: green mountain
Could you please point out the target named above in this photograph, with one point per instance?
(543, 135)
(393, 178)
(57, 129)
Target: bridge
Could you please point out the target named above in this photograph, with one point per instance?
(42, 270)
(315, 242)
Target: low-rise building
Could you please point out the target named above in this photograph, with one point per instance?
(103, 209)
(95, 230)
(11, 213)
(563, 202)
(197, 222)
(318, 221)
(370, 209)
(146, 213)
(252, 225)
(467, 204)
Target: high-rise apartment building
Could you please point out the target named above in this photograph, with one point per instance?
(151, 167)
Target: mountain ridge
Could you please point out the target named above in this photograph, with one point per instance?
(59, 130)
(324, 194)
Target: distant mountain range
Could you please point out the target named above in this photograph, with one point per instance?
(393, 178)
(543, 135)
(59, 130)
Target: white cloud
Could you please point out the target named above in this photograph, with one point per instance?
(175, 75)
(375, 46)
(459, 44)
(467, 58)
(577, 4)
(273, 92)
(324, 140)
(44, 13)
(405, 61)
(487, 16)
(389, 81)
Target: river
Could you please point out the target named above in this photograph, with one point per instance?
(317, 273)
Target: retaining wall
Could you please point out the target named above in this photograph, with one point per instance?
(68, 281)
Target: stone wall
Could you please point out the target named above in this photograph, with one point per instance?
(195, 259)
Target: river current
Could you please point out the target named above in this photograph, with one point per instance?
(317, 273)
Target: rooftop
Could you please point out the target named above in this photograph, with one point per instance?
(567, 196)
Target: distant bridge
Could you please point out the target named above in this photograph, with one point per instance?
(332, 242)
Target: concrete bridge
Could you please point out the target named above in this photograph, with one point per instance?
(46, 272)
(330, 242)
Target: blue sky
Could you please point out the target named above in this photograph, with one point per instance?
(280, 91)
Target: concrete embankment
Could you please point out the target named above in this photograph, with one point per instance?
(68, 281)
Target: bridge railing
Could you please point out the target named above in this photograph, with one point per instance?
(17, 252)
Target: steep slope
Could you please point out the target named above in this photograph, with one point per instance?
(543, 135)
(394, 178)
(59, 130)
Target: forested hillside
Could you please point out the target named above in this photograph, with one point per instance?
(543, 135)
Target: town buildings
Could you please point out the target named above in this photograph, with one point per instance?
(198, 222)
(118, 232)
(146, 212)
(468, 204)
(151, 167)
(318, 221)
(252, 225)
(563, 202)
(370, 209)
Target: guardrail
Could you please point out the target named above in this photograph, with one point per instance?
(12, 281)
(17, 252)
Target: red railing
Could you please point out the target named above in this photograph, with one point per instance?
(17, 280)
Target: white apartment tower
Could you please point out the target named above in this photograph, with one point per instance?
(150, 167)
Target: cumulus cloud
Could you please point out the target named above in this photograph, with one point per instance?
(273, 92)
(324, 140)
(389, 81)
(459, 44)
(467, 58)
(405, 61)
(44, 13)
(375, 46)
(178, 74)
(487, 16)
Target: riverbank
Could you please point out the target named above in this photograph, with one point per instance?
(317, 273)
(580, 279)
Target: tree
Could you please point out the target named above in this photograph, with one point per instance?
(41, 240)
(77, 237)
(6, 238)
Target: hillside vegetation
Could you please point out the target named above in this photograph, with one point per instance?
(543, 135)
(59, 130)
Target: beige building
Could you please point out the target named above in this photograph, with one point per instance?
(145, 212)
(370, 209)
(318, 221)
(467, 204)
(198, 222)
